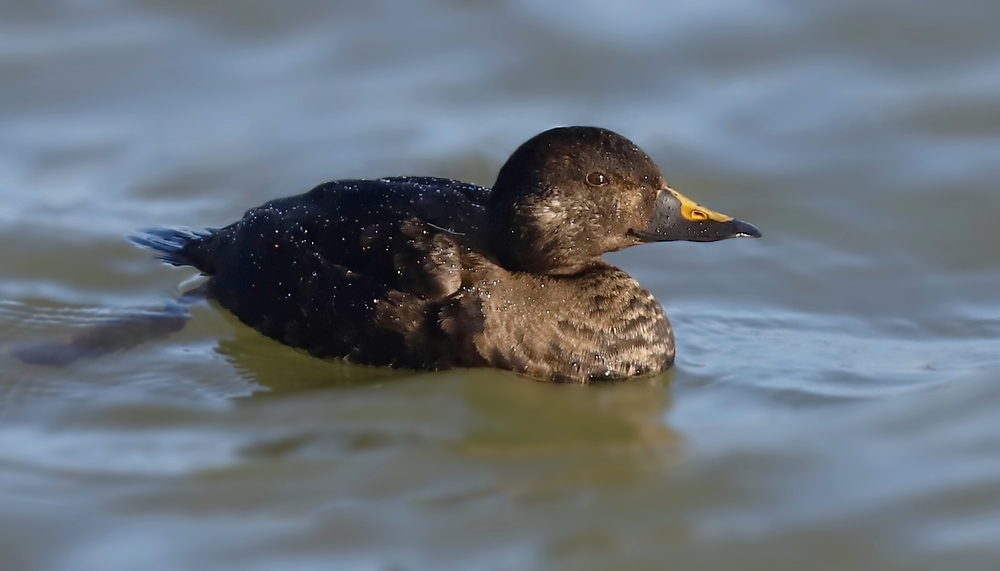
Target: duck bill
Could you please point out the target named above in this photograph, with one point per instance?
(676, 217)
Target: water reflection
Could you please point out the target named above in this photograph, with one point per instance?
(615, 428)
(533, 439)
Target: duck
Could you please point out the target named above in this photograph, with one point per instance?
(426, 273)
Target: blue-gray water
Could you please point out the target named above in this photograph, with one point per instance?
(836, 400)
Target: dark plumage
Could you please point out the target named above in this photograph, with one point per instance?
(431, 273)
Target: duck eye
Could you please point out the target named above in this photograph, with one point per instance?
(596, 179)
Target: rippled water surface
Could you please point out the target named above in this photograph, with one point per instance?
(836, 400)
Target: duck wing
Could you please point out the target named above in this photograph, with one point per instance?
(352, 268)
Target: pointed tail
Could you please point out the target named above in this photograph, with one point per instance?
(171, 243)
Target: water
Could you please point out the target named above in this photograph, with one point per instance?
(835, 398)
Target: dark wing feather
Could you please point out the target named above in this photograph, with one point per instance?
(350, 269)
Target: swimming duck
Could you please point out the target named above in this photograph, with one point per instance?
(432, 273)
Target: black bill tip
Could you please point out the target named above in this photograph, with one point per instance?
(745, 229)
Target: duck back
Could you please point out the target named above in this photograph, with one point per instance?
(347, 270)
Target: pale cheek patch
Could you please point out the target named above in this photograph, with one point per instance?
(551, 215)
(627, 208)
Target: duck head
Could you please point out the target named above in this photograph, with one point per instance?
(571, 194)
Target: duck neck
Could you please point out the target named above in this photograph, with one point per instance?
(522, 243)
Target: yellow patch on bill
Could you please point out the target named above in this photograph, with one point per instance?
(694, 212)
